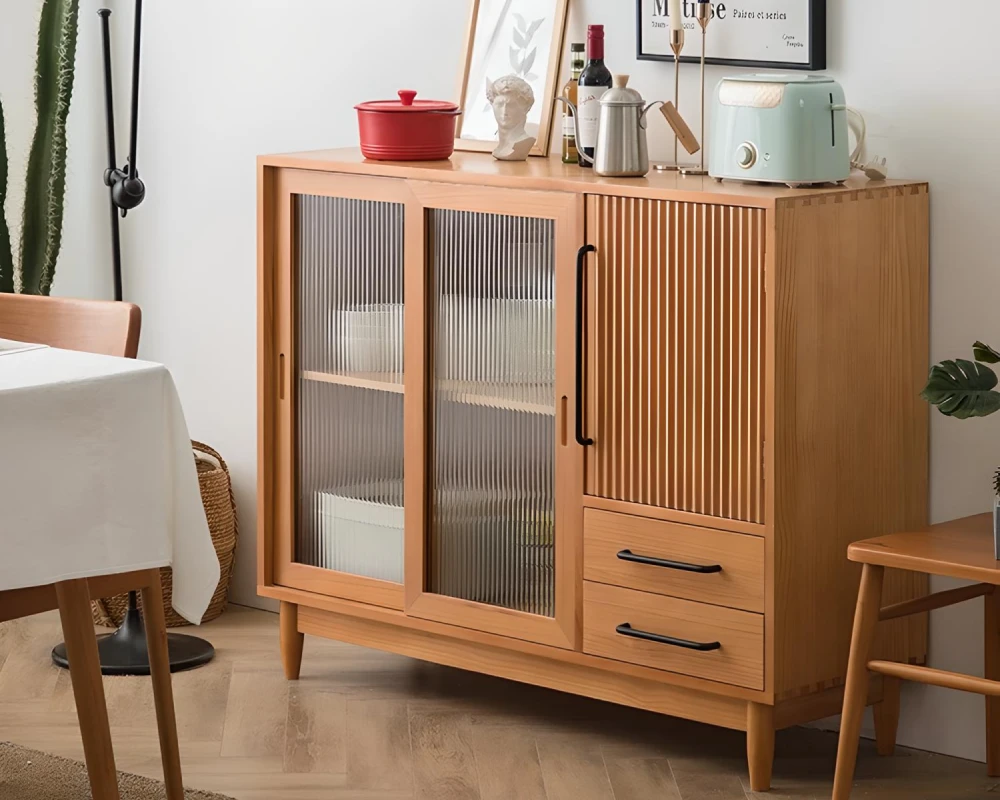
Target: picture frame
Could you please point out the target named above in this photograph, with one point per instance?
(522, 37)
(746, 33)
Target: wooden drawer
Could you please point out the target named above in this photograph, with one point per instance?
(738, 659)
(613, 542)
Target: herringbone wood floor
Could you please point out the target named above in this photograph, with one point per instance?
(364, 725)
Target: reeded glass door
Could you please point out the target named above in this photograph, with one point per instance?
(345, 395)
(498, 551)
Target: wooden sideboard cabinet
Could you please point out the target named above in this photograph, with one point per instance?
(606, 436)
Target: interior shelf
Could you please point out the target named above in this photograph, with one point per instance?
(538, 399)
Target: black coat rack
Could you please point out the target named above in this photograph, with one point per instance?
(124, 652)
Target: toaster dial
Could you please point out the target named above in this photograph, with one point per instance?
(746, 155)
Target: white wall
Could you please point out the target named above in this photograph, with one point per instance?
(224, 81)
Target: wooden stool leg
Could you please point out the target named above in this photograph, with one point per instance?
(992, 672)
(88, 690)
(760, 745)
(163, 692)
(291, 640)
(856, 690)
(887, 716)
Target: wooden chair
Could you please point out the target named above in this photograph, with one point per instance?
(111, 329)
(959, 549)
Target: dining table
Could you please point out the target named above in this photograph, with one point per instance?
(98, 487)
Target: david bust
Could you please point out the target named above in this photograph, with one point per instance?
(511, 98)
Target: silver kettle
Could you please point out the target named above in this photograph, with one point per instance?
(622, 150)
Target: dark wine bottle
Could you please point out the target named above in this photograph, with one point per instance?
(594, 81)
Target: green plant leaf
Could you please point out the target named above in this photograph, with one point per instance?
(985, 354)
(41, 232)
(962, 389)
(6, 254)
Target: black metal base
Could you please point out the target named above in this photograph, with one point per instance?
(124, 652)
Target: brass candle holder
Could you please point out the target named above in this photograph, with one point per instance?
(704, 16)
(677, 45)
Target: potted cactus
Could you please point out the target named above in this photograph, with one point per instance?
(960, 388)
(42, 217)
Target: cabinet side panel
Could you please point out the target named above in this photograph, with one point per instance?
(851, 432)
(265, 371)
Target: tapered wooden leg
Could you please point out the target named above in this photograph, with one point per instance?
(992, 672)
(88, 690)
(163, 693)
(291, 640)
(760, 745)
(856, 690)
(886, 715)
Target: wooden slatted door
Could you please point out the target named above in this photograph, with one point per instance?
(675, 366)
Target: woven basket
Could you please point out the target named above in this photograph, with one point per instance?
(220, 510)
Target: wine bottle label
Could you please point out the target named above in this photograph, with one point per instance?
(590, 112)
(569, 127)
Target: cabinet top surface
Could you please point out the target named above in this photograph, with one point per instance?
(551, 174)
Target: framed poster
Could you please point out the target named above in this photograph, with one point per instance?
(765, 34)
(510, 37)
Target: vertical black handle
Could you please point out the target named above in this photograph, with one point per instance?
(581, 277)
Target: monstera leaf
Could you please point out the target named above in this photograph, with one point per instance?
(985, 354)
(962, 389)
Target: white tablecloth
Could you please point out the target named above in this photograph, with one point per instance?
(97, 475)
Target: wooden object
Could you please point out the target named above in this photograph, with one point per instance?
(725, 332)
(88, 689)
(92, 326)
(680, 127)
(72, 598)
(958, 549)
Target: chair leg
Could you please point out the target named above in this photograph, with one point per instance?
(163, 693)
(992, 672)
(760, 745)
(291, 640)
(887, 716)
(856, 690)
(88, 689)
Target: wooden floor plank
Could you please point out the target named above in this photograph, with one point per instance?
(444, 767)
(316, 734)
(507, 762)
(256, 714)
(378, 745)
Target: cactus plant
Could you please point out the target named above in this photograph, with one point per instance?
(41, 231)
(42, 220)
(6, 254)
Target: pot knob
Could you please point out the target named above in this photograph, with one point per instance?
(406, 96)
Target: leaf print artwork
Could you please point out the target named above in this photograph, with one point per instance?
(522, 53)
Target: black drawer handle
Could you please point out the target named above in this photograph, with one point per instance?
(628, 555)
(581, 276)
(702, 647)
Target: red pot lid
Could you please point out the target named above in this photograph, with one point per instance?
(407, 102)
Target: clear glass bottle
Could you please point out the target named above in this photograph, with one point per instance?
(569, 153)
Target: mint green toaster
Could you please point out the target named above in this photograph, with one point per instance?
(780, 129)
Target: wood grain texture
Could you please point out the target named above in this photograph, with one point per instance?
(291, 641)
(444, 765)
(90, 326)
(851, 278)
(740, 584)
(760, 745)
(675, 397)
(739, 661)
(936, 677)
(550, 174)
(961, 548)
(600, 684)
(88, 689)
(886, 714)
(856, 688)
(991, 671)
(930, 602)
(163, 691)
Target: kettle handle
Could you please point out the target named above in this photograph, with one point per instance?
(576, 128)
(642, 116)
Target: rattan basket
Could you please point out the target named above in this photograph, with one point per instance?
(220, 510)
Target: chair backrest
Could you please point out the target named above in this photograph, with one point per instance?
(92, 326)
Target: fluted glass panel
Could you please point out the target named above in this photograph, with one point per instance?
(493, 522)
(349, 291)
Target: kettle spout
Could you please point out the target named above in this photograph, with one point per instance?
(576, 127)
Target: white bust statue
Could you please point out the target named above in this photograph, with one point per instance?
(511, 98)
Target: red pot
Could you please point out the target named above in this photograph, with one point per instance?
(407, 129)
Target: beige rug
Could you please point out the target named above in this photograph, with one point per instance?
(30, 775)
